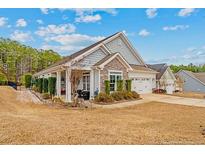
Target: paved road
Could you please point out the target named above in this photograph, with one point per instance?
(174, 99)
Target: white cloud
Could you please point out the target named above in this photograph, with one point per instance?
(89, 15)
(44, 10)
(88, 18)
(176, 27)
(151, 13)
(190, 55)
(71, 39)
(21, 23)
(39, 21)
(186, 12)
(55, 29)
(68, 43)
(144, 33)
(21, 36)
(3, 21)
(64, 17)
(90, 11)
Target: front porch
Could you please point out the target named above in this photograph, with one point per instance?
(72, 81)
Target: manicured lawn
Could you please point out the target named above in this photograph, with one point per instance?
(150, 123)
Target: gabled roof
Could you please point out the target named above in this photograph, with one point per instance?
(109, 58)
(74, 55)
(198, 76)
(142, 68)
(161, 68)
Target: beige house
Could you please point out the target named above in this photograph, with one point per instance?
(165, 78)
(113, 58)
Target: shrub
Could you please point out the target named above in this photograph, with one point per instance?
(107, 87)
(40, 85)
(128, 85)
(120, 85)
(51, 85)
(135, 95)
(45, 85)
(117, 95)
(27, 78)
(3, 82)
(34, 88)
(57, 100)
(103, 97)
(127, 95)
(45, 95)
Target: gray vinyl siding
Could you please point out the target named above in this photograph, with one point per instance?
(117, 45)
(191, 84)
(91, 59)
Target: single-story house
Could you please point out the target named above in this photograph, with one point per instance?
(192, 82)
(165, 79)
(113, 58)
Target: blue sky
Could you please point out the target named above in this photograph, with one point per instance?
(174, 36)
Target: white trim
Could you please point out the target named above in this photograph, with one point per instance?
(117, 71)
(99, 87)
(123, 61)
(170, 71)
(148, 72)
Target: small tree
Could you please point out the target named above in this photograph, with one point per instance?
(45, 85)
(128, 85)
(107, 87)
(28, 78)
(120, 85)
(51, 85)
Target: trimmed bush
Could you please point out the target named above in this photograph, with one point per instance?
(107, 87)
(45, 85)
(46, 95)
(135, 95)
(28, 78)
(117, 96)
(103, 97)
(40, 85)
(120, 85)
(51, 85)
(128, 85)
(2, 82)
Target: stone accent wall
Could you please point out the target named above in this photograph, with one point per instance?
(115, 64)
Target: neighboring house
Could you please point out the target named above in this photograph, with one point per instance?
(192, 81)
(165, 79)
(113, 58)
(179, 83)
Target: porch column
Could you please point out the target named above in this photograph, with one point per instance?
(58, 84)
(91, 84)
(68, 85)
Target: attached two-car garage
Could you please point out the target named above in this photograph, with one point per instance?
(142, 83)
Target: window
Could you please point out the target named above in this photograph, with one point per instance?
(114, 77)
(86, 82)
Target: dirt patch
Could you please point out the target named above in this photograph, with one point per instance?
(150, 123)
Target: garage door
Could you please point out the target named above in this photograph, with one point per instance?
(142, 85)
(170, 88)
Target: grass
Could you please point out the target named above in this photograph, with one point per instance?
(150, 123)
(190, 95)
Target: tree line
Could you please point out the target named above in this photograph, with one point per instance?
(17, 59)
(191, 67)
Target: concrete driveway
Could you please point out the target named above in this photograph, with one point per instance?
(174, 99)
